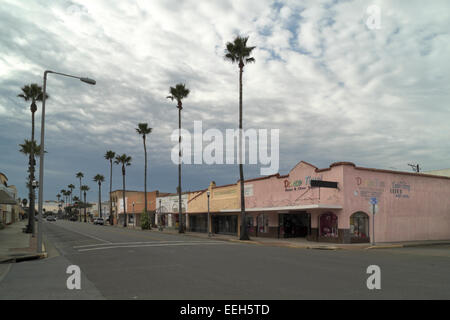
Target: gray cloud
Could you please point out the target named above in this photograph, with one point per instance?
(335, 89)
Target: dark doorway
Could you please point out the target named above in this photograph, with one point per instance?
(198, 222)
(225, 224)
(294, 225)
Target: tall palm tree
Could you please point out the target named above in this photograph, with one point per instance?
(77, 202)
(109, 155)
(238, 52)
(85, 188)
(34, 93)
(71, 187)
(179, 92)
(63, 192)
(99, 179)
(144, 130)
(31, 149)
(58, 196)
(125, 161)
(80, 175)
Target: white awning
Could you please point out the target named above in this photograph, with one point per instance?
(297, 208)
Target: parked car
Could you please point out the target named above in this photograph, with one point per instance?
(100, 221)
(73, 219)
(51, 218)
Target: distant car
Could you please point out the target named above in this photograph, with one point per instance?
(51, 218)
(73, 219)
(100, 221)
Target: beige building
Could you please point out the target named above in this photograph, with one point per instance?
(441, 172)
(9, 206)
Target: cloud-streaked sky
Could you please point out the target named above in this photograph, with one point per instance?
(337, 90)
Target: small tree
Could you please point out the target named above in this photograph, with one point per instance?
(145, 221)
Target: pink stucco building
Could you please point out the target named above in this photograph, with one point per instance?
(410, 206)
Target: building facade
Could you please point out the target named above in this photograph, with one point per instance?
(343, 203)
(167, 209)
(134, 206)
(9, 206)
(223, 208)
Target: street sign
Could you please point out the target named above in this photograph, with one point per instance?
(373, 201)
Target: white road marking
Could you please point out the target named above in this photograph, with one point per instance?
(158, 245)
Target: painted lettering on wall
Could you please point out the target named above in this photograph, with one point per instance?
(369, 188)
(299, 184)
(400, 189)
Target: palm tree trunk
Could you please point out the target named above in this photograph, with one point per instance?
(243, 234)
(100, 199)
(180, 208)
(111, 218)
(145, 186)
(85, 204)
(123, 198)
(80, 198)
(31, 210)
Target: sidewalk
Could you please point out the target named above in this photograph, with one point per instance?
(16, 246)
(301, 243)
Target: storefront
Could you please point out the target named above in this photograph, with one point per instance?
(222, 203)
(198, 222)
(332, 204)
(225, 224)
(294, 225)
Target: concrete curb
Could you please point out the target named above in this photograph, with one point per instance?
(385, 246)
(19, 257)
(25, 257)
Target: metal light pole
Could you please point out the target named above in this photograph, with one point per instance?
(41, 155)
(209, 217)
(133, 216)
(373, 224)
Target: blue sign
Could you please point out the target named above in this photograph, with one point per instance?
(373, 200)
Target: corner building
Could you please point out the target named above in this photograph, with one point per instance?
(410, 206)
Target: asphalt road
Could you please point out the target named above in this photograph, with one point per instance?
(119, 263)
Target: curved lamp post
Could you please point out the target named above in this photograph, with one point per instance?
(41, 156)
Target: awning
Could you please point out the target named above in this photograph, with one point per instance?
(301, 208)
(6, 199)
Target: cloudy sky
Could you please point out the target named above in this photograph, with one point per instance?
(337, 89)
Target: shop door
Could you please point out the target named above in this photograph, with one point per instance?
(295, 225)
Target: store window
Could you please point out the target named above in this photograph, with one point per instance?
(359, 225)
(329, 225)
(263, 223)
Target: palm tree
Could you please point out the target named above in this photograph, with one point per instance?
(238, 52)
(109, 155)
(63, 192)
(124, 160)
(76, 202)
(179, 92)
(143, 130)
(71, 187)
(80, 175)
(58, 196)
(99, 179)
(34, 93)
(31, 149)
(85, 188)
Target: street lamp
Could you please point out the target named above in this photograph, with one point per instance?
(41, 155)
(209, 219)
(133, 214)
(161, 226)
